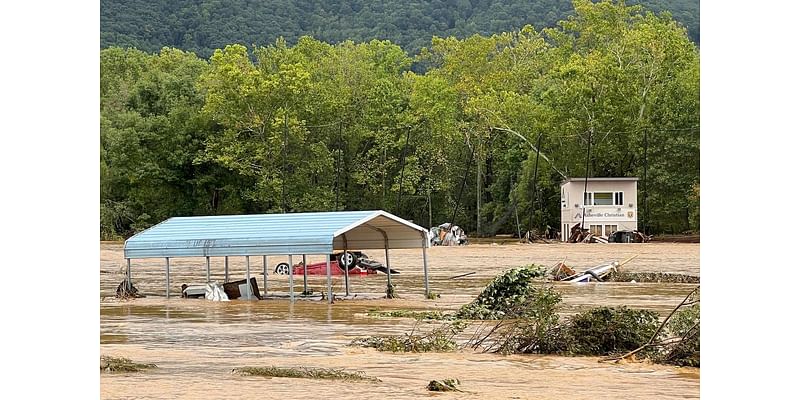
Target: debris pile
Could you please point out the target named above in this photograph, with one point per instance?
(629, 237)
(122, 364)
(305, 372)
(239, 290)
(598, 273)
(550, 235)
(578, 235)
(415, 314)
(441, 339)
(223, 292)
(445, 385)
(650, 277)
(610, 272)
(126, 290)
(447, 234)
(561, 271)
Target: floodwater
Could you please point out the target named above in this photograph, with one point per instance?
(196, 343)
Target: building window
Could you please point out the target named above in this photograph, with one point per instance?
(603, 198)
(618, 198)
(610, 229)
(596, 230)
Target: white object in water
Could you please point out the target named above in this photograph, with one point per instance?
(215, 292)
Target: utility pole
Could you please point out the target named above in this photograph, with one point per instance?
(586, 178)
(478, 192)
(285, 155)
(402, 170)
(646, 210)
(535, 174)
(338, 166)
(430, 214)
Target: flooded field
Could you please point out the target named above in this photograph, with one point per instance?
(196, 343)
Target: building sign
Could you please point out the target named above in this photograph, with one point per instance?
(605, 215)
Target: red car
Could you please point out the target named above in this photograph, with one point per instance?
(357, 262)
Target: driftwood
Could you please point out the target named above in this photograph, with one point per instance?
(462, 275)
(126, 290)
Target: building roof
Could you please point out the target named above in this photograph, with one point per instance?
(611, 179)
(274, 234)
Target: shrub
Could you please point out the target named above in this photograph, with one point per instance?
(605, 330)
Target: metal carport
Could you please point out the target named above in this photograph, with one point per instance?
(277, 234)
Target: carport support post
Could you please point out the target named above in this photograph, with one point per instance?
(305, 275)
(346, 274)
(425, 262)
(130, 285)
(247, 276)
(346, 267)
(226, 269)
(264, 261)
(291, 279)
(208, 269)
(328, 271)
(167, 277)
(388, 267)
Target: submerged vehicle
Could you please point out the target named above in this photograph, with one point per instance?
(358, 263)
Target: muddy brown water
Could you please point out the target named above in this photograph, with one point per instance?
(196, 343)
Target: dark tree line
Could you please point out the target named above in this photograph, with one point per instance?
(201, 26)
(313, 126)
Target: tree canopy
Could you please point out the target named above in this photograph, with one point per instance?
(314, 126)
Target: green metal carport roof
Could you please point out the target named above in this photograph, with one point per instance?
(275, 234)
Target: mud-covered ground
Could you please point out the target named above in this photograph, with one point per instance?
(196, 343)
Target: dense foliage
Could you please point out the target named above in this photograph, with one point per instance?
(512, 295)
(201, 26)
(320, 127)
(607, 330)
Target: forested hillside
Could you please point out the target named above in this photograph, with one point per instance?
(319, 127)
(201, 26)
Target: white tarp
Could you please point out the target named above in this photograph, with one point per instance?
(215, 292)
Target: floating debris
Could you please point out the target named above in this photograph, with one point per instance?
(121, 364)
(239, 290)
(441, 339)
(651, 277)
(418, 315)
(306, 372)
(445, 385)
(126, 291)
(447, 234)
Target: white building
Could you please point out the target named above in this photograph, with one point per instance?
(609, 205)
